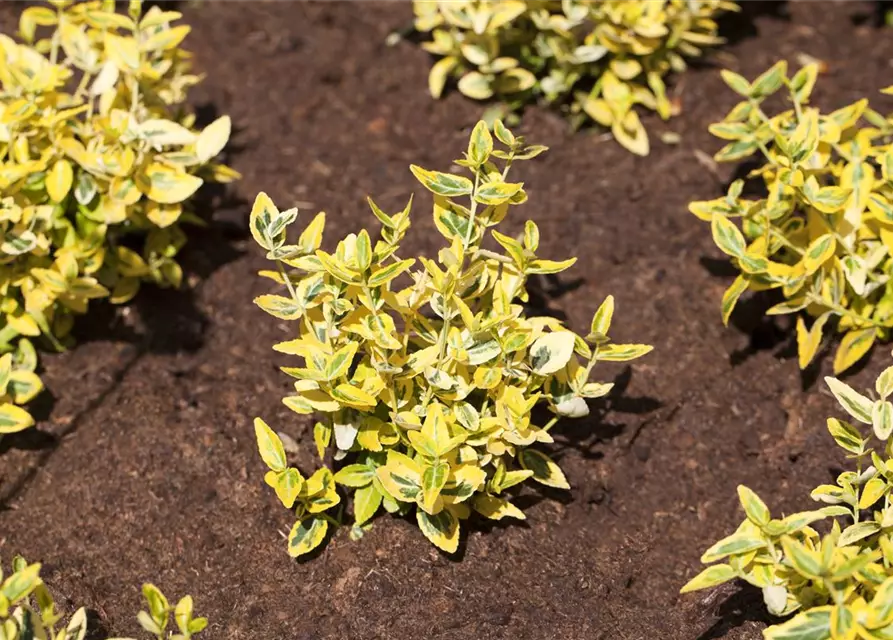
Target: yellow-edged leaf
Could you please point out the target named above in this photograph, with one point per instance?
(166, 185)
(213, 139)
(495, 508)
(551, 352)
(270, 446)
(710, 577)
(14, 419)
(306, 535)
(441, 529)
(353, 396)
(853, 346)
(544, 469)
(59, 180)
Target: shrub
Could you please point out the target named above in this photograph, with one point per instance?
(429, 389)
(24, 589)
(598, 59)
(96, 151)
(822, 233)
(839, 585)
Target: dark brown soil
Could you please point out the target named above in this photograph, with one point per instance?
(144, 465)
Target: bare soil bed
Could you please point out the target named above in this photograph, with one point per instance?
(144, 464)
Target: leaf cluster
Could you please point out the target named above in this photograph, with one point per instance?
(425, 372)
(839, 586)
(97, 161)
(823, 232)
(599, 59)
(27, 610)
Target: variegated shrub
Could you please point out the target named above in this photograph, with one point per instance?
(426, 389)
(837, 586)
(823, 232)
(95, 152)
(28, 611)
(599, 60)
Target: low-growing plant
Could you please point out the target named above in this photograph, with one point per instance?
(823, 232)
(426, 391)
(839, 585)
(599, 60)
(28, 611)
(96, 151)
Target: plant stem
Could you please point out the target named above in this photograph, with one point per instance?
(797, 108)
(840, 310)
(54, 46)
(288, 284)
(473, 210)
(856, 506)
(82, 85)
(508, 165)
(368, 293)
(135, 91)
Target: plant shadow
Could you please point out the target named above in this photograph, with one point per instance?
(170, 321)
(773, 333)
(583, 435)
(97, 628)
(170, 317)
(542, 290)
(765, 333)
(740, 607)
(167, 321)
(876, 17)
(736, 26)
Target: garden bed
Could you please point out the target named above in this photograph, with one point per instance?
(144, 465)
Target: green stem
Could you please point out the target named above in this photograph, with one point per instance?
(797, 108)
(856, 506)
(764, 149)
(508, 165)
(368, 293)
(767, 121)
(288, 284)
(82, 85)
(474, 206)
(840, 310)
(54, 46)
(442, 340)
(135, 97)
(784, 241)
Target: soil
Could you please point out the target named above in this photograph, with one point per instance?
(144, 467)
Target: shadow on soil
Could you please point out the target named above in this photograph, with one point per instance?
(585, 434)
(171, 323)
(542, 290)
(169, 320)
(741, 25)
(733, 610)
(765, 333)
(773, 333)
(876, 16)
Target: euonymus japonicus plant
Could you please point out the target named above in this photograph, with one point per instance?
(822, 231)
(28, 611)
(425, 371)
(98, 159)
(837, 586)
(599, 60)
